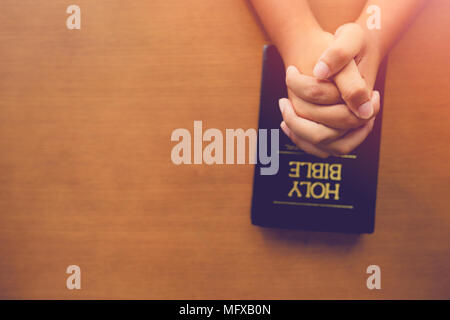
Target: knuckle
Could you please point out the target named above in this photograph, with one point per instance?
(352, 122)
(323, 155)
(287, 118)
(298, 143)
(355, 29)
(316, 139)
(354, 91)
(299, 108)
(341, 150)
(314, 92)
(290, 80)
(376, 110)
(319, 138)
(339, 54)
(345, 150)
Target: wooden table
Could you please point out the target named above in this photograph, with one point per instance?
(86, 176)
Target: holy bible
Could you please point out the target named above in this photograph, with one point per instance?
(336, 194)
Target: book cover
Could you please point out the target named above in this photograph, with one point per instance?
(337, 194)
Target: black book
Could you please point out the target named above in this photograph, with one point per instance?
(337, 194)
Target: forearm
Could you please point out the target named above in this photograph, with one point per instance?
(287, 23)
(395, 18)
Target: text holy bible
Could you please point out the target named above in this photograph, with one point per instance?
(336, 194)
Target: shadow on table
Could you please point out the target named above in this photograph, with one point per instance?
(309, 238)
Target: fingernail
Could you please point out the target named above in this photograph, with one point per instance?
(365, 110)
(338, 30)
(291, 69)
(377, 93)
(283, 104)
(285, 128)
(321, 70)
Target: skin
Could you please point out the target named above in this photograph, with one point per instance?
(331, 109)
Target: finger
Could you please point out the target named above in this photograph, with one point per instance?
(336, 116)
(311, 89)
(350, 141)
(348, 43)
(302, 144)
(306, 129)
(354, 91)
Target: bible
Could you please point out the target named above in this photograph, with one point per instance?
(337, 194)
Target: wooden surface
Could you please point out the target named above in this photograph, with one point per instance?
(86, 176)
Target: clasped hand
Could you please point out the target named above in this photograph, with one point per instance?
(331, 105)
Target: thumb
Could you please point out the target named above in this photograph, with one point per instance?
(348, 43)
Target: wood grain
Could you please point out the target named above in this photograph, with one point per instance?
(86, 176)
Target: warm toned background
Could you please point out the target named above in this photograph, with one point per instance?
(86, 176)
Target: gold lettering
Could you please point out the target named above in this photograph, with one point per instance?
(308, 175)
(313, 187)
(295, 189)
(335, 172)
(317, 170)
(335, 191)
(296, 170)
(308, 191)
(327, 165)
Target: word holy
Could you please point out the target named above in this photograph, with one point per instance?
(235, 140)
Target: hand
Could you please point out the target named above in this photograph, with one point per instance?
(351, 42)
(322, 135)
(320, 140)
(330, 57)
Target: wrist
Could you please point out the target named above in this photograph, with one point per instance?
(297, 43)
(374, 46)
(305, 48)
